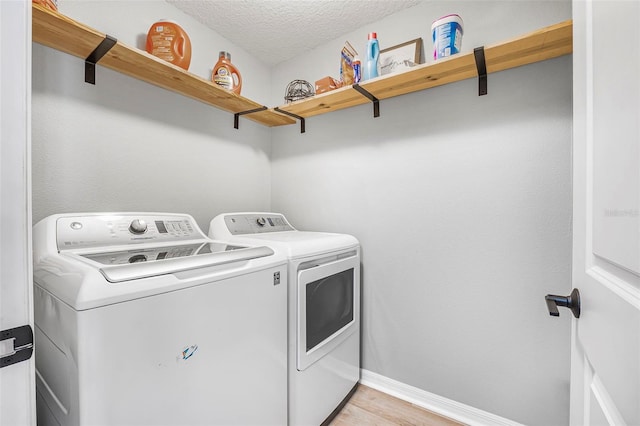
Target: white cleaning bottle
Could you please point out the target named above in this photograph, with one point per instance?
(373, 55)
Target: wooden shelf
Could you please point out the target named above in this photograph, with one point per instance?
(62, 33)
(546, 43)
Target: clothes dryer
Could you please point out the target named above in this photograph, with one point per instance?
(323, 309)
(140, 319)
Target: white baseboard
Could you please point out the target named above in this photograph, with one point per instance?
(432, 402)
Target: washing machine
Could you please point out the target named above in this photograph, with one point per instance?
(323, 309)
(140, 319)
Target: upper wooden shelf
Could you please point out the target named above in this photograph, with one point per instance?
(62, 33)
(546, 43)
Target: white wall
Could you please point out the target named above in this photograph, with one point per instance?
(462, 205)
(127, 145)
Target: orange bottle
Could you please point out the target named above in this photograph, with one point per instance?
(226, 75)
(167, 40)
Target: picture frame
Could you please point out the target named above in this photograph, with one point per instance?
(400, 57)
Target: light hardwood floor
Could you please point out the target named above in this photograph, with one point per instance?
(369, 407)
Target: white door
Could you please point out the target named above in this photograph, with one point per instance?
(605, 376)
(17, 383)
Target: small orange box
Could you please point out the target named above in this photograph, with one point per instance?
(326, 84)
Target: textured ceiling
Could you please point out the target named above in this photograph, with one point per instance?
(277, 30)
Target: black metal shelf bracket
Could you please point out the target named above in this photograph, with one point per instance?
(236, 116)
(297, 117)
(97, 54)
(376, 101)
(481, 65)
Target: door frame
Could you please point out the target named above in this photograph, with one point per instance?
(17, 381)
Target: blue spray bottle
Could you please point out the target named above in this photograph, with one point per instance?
(373, 54)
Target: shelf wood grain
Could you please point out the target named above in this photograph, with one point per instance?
(540, 45)
(63, 33)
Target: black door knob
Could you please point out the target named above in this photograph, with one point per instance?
(571, 301)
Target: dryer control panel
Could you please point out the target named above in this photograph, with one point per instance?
(78, 232)
(256, 223)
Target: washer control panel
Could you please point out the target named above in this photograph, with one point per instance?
(76, 232)
(256, 223)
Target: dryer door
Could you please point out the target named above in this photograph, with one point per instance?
(328, 306)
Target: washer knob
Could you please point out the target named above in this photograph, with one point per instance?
(261, 221)
(138, 226)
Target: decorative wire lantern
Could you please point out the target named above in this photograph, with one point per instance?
(298, 89)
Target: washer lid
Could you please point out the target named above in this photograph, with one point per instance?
(127, 265)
